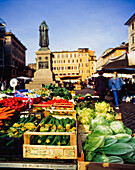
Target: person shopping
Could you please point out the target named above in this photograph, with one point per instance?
(115, 85)
(101, 85)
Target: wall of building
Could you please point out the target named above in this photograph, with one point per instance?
(132, 36)
(74, 63)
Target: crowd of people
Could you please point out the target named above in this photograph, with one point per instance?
(115, 85)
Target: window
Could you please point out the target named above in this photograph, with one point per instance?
(91, 68)
(87, 59)
(132, 38)
(88, 71)
(77, 60)
(68, 67)
(80, 64)
(80, 54)
(80, 71)
(68, 61)
(46, 58)
(87, 54)
(133, 26)
(56, 55)
(80, 60)
(60, 55)
(64, 55)
(60, 61)
(63, 61)
(40, 58)
(68, 55)
(60, 68)
(76, 55)
(73, 67)
(72, 61)
(72, 55)
(64, 68)
(77, 67)
(87, 65)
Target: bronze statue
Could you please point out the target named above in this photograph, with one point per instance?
(44, 40)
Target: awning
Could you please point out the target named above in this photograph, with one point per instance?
(119, 64)
(70, 77)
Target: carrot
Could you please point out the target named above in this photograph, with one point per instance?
(3, 108)
(10, 111)
(10, 115)
(7, 108)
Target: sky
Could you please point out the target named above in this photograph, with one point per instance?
(94, 24)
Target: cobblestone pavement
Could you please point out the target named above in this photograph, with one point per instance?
(127, 109)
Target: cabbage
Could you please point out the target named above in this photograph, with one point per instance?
(98, 121)
(85, 115)
(102, 130)
(102, 107)
(98, 114)
(92, 143)
(109, 117)
(122, 138)
(117, 127)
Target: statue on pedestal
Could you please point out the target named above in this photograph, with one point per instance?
(44, 39)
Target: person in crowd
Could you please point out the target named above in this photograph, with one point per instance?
(115, 85)
(101, 85)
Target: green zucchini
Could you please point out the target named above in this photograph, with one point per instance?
(21, 120)
(57, 122)
(34, 141)
(54, 140)
(26, 119)
(45, 120)
(32, 119)
(73, 123)
(42, 139)
(49, 139)
(66, 121)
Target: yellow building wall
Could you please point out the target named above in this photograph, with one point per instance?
(114, 54)
(81, 63)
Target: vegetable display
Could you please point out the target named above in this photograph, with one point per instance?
(58, 91)
(118, 148)
(52, 124)
(14, 103)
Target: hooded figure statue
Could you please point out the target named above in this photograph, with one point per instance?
(44, 40)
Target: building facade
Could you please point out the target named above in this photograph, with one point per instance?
(110, 54)
(115, 52)
(14, 57)
(131, 24)
(2, 48)
(80, 63)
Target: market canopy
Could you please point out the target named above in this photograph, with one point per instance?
(120, 64)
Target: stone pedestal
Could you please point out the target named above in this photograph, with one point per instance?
(43, 74)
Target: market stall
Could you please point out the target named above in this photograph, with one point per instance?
(61, 131)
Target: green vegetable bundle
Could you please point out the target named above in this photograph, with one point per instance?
(118, 148)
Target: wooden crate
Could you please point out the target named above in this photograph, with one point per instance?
(69, 106)
(47, 151)
(104, 166)
(118, 117)
(83, 128)
(68, 113)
